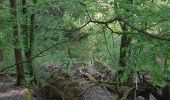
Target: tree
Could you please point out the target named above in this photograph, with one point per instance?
(1, 55)
(17, 49)
(31, 43)
(27, 32)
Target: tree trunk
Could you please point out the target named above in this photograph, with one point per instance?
(19, 67)
(26, 34)
(31, 43)
(125, 41)
(28, 38)
(1, 55)
(17, 50)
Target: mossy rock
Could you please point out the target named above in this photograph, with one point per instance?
(60, 87)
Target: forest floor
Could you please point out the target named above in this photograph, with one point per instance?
(8, 91)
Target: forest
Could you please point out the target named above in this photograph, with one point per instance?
(84, 50)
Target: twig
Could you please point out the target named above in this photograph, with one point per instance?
(83, 4)
(90, 77)
(155, 24)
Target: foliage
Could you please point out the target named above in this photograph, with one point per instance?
(62, 20)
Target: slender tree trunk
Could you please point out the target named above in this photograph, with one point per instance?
(19, 67)
(29, 38)
(1, 55)
(32, 25)
(31, 43)
(69, 51)
(17, 50)
(125, 41)
(26, 38)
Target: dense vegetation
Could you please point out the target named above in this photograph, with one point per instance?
(131, 37)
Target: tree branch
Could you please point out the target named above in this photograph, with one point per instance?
(165, 19)
(145, 33)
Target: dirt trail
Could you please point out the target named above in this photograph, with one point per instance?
(10, 92)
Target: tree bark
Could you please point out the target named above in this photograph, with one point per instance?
(17, 50)
(26, 37)
(1, 55)
(31, 43)
(29, 38)
(125, 41)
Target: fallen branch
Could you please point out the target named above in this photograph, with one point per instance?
(90, 77)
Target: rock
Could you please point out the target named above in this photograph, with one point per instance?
(50, 67)
(108, 74)
(98, 93)
(151, 97)
(140, 98)
(58, 88)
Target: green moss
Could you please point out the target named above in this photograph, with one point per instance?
(60, 87)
